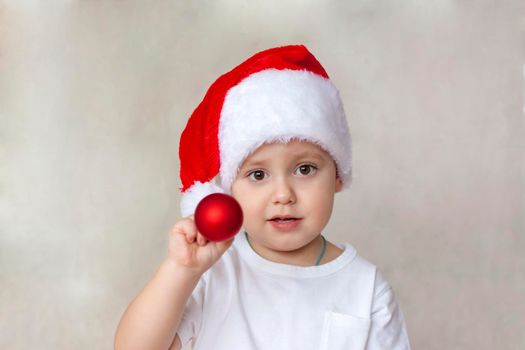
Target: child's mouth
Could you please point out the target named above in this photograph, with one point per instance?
(285, 224)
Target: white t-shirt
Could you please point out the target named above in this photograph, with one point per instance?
(247, 302)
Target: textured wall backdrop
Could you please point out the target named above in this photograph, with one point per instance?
(94, 95)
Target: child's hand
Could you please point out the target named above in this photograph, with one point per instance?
(189, 249)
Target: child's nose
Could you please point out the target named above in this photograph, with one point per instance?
(283, 192)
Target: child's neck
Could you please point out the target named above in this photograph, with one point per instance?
(307, 255)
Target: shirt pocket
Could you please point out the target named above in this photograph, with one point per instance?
(344, 331)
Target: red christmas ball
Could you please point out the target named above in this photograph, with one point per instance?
(218, 217)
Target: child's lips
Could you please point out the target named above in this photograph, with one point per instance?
(284, 217)
(285, 225)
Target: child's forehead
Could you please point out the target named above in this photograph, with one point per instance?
(293, 147)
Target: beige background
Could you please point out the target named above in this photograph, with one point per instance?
(94, 95)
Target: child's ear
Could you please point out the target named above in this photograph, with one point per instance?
(338, 184)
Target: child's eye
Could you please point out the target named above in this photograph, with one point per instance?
(305, 169)
(258, 175)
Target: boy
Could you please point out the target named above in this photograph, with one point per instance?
(272, 132)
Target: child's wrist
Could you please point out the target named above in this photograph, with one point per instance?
(186, 272)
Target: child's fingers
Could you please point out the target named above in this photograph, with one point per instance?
(187, 228)
(201, 240)
(192, 233)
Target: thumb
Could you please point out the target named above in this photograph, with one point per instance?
(224, 245)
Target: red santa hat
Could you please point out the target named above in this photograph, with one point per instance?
(279, 94)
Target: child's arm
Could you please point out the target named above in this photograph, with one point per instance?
(153, 317)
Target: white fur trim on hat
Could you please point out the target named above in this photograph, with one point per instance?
(193, 195)
(278, 105)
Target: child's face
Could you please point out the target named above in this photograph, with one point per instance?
(297, 179)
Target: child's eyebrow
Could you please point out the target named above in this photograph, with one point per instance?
(307, 154)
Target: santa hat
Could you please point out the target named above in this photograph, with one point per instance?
(279, 94)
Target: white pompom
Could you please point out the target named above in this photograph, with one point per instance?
(193, 195)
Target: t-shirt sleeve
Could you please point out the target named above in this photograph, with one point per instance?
(388, 329)
(192, 315)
